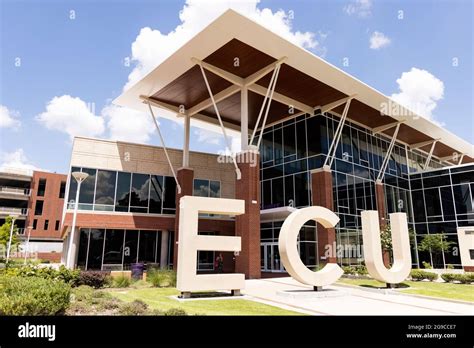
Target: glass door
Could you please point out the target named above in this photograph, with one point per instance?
(270, 258)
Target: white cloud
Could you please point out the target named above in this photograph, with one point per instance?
(71, 116)
(9, 118)
(378, 40)
(128, 125)
(360, 8)
(207, 136)
(17, 161)
(419, 91)
(151, 46)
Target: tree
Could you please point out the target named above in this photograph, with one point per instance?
(435, 243)
(5, 233)
(386, 237)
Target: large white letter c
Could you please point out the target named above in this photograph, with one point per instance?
(289, 252)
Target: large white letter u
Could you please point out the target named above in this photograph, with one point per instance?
(373, 249)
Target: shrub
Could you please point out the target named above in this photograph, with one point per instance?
(418, 274)
(137, 307)
(95, 279)
(349, 270)
(175, 312)
(448, 277)
(449, 266)
(33, 296)
(469, 277)
(426, 265)
(161, 278)
(121, 281)
(361, 270)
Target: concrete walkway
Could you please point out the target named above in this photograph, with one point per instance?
(342, 300)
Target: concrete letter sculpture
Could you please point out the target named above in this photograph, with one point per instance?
(290, 257)
(190, 242)
(466, 243)
(373, 250)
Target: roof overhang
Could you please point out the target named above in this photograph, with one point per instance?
(306, 82)
(276, 214)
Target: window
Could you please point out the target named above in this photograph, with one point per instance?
(113, 248)
(35, 223)
(105, 190)
(122, 197)
(56, 226)
(147, 247)
(46, 225)
(139, 193)
(39, 208)
(86, 194)
(41, 187)
(62, 189)
(169, 204)
(156, 194)
(131, 247)
(206, 188)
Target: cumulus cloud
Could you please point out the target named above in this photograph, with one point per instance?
(9, 118)
(151, 46)
(17, 161)
(72, 116)
(128, 125)
(207, 136)
(378, 40)
(360, 8)
(420, 91)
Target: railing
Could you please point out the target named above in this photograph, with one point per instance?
(13, 211)
(15, 190)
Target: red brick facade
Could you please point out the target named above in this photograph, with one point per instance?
(247, 226)
(322, 195)
(52, 205)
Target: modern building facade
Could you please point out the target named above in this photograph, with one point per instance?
(310, 135)
(36, 198)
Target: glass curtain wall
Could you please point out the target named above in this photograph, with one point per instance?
(106, 190)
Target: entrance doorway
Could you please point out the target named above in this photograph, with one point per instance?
(270, 258)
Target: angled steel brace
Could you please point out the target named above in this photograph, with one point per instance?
(164, 146)
(216, 109)
(337, 136)
(430, 154)
(388, 154)
(270, 89)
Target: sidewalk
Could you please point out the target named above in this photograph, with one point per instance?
(352, 301)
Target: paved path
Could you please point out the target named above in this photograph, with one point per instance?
(353, 301)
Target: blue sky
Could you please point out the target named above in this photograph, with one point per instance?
(83, 57)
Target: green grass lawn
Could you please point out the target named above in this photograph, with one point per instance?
(158, 298)
(464, 292)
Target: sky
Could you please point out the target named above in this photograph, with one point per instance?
(63, 62)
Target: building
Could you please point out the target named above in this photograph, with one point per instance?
(45, 209)
(318, 136)
(37, 199)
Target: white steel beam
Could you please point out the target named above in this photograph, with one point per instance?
(236, 80)
(282, 99)
(244, 119)
(422, 144)
(385, 127)
(250, 80)
(335, 104)
(187, 128)
(163, 105)
(226, 93)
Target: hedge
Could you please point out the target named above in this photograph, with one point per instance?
(418, 274)
(466, 278)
